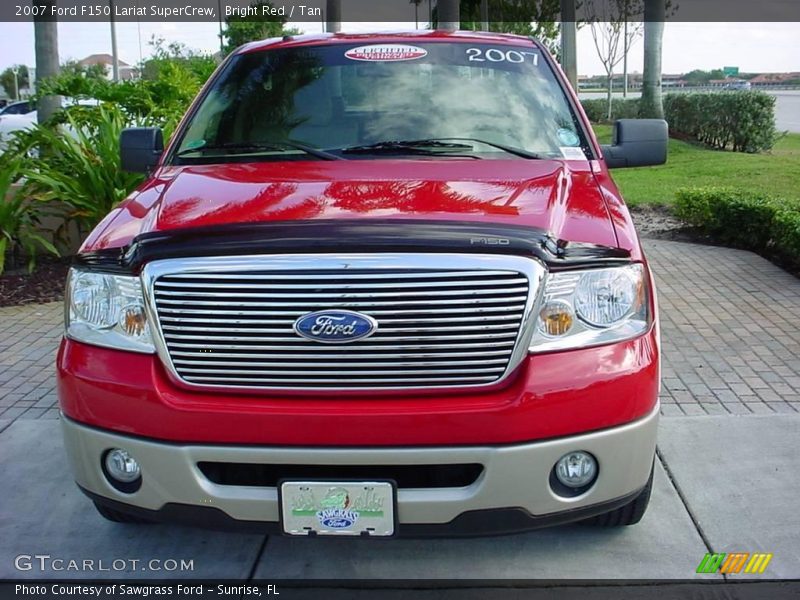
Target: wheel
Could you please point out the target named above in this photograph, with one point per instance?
(629, 514)
(119, 517)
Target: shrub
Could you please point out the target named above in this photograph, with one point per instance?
(159, 99)
(786, 233)
(597, 110)
(78, 164)
(748, 220)
(19, 220)
(742, 121)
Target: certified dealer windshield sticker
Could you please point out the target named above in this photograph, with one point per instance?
(386, 53)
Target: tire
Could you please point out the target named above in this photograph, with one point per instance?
(120, 517)
(629, 514)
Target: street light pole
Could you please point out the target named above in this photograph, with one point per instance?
(221, 36)
(15, 70)
(114, 53)
(625, 56)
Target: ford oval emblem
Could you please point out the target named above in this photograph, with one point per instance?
(335, 326)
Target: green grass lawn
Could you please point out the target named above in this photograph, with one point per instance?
(776, 173)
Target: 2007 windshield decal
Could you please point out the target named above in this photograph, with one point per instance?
(498, 55)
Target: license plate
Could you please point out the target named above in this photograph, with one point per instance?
(337, 508)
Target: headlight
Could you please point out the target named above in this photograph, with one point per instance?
(588, 308)
(107, 310)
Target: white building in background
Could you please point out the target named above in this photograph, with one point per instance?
(126, 71)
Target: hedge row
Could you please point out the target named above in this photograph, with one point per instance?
(744, 219)
(597, 110)
(743, 121)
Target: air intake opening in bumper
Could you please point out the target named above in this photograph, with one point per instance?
(406, 476)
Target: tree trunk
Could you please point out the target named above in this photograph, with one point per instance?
(333, 16)
(609, 92)
(651, 106)
(485, 15)
(45, 30)
(569, 60)
(449, 14)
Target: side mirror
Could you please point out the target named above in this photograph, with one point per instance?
(140, 148)
(637, 143)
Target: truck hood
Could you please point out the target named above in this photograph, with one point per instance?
(559, 197)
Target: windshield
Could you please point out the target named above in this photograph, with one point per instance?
(358, 101)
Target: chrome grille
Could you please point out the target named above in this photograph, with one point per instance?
(443, 320)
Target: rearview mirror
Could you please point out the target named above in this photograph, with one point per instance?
(637, 143)
(140, 148)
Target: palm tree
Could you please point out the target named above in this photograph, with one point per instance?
(333, 16)
(569, 56)
(449, 14)
(45, 31)
(652, 107)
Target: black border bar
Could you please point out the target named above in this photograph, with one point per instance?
(410, 589)
(385, 11)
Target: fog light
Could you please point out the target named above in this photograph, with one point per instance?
(122, 466)
(576, 469)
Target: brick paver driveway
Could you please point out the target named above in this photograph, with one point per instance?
(730, 329)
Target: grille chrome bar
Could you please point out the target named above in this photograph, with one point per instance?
(213, 321)
(347, 303)
(177, 354)
(333, 349)
(338, 296)
(396, 274)
(238, 328)
(444, 320)
(407, 363)
(178, 285)
(297, 313)
(338, 384)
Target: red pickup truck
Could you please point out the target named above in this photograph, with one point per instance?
(375, 285)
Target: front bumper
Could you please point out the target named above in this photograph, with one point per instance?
(512, 493)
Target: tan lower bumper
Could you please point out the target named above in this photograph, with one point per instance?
(514, 475)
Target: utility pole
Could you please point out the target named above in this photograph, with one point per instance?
(15, 71)
(333, 14)
(221, 36)
(114, 53)
(449, 14)
(569, 34)
(45, 32)
(485, 15)
(625, 56)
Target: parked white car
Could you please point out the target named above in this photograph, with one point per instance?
(11, 123)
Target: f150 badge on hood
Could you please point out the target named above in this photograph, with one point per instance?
(335, 326)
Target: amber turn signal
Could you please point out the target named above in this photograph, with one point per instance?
(556, 318)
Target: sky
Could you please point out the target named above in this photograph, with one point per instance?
(753, 47)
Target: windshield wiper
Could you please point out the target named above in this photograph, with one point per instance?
(509, 149)
(424, 147)
(436, 146)
(259, 146)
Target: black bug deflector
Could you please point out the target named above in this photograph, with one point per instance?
(365, 236)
